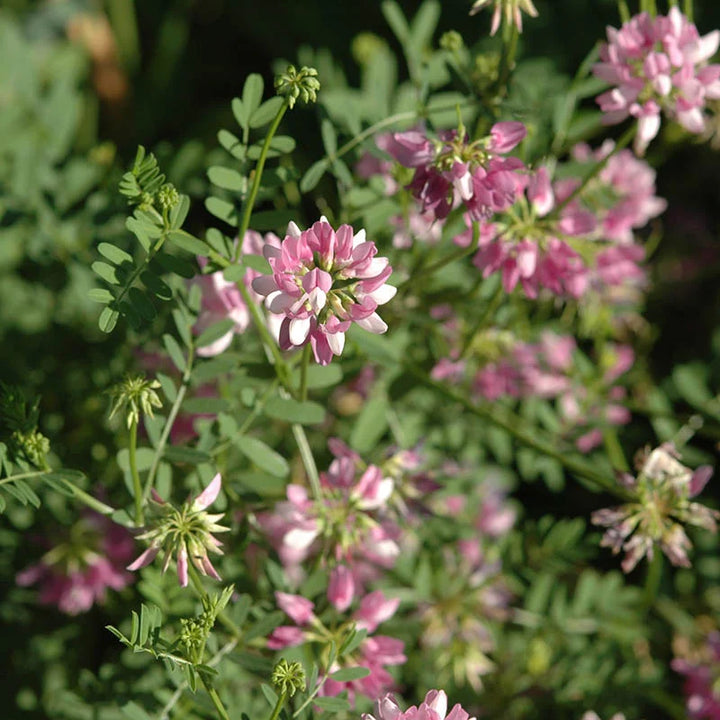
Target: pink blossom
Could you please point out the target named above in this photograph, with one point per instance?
(341, 588)
(322, 281)
(75, 578)
(658, 65)
(702, 700)
(452, 170)
(434, 707)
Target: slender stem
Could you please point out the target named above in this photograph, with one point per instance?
(89, 500)
(250, 200)
(507, 59)
(623, 11)
(200, 590)
(311, 697)
(623, 142)
(137, 486)
(653, 578)
(614, 450)
(307, 458)
(216, 701)
(169, 424)
(303, 372)
(278, 706)
(483, 318)
(688, 9)
(530, 437)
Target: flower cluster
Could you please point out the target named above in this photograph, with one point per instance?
(433, 707)
(510, 10)
(221, 298)
(77, 573)
(586, 242)
(701, 668)
(322, 281)
(658, 65)
(185, 533)
(453, 170)
(373, 652)
(659, 507)
(349, 526)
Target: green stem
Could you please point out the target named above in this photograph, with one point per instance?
(307, 458)
(89, 500)
(278, 706)
(216, 701)
(169, 424)
(653, 578)
(250, 200)
(623, 11)
(303, 372)
(614, 450)
(507, 59)
(137, 486)
(623, 142)
(483, 318)
(688, 10)
(200, 590)
(530, 437)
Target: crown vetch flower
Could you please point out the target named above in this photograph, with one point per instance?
(77, 573)
(660, 503)
(186, 533)
(433, 707)
(658, 65)
(323, 280)
(452, 170)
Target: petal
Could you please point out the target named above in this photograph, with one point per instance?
(208, 496)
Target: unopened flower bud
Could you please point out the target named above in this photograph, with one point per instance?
(138, 395)
(168, 197)
(288, 678)
(293, 85)
(451, 41)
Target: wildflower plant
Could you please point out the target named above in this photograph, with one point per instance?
(376, 363)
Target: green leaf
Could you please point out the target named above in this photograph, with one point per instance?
(222, 209)
(114, 254)
(179, 212)
(279, 145)
(396, 20)
(371, 424)
(320, 376)
(205, 405)
(101, 295)
(252, 93)
(212, 368)
(235, 273)
(227, 178)
(329, 136)
(333, 704)
(132, 710)
(214, 332)
(156, 285)
(108, 319)
(168, 386)
(272, 219)
(313, 175)
(181, 454)
(232, 144)
(293, 411)
(266, 112)
(241, 113)
(423, 25)
(174, 351)
(262, 455)
(269, 694)
(141, 303)
(106, 272)
(176, 265)
(188, 242)
(348, 674)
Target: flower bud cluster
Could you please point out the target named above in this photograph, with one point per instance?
(293, 85)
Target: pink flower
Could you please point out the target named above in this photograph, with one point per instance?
(75, 578)
(702, 700)
(341, 588)
(452, 170)
(434, 707)
(658, 65)
(322, 281)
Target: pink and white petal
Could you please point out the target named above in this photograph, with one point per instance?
(373, 323)
(208, 496)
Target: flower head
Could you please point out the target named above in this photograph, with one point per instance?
(452, 170)
(511, 10)
(76, 574)
(185, 533)
(433, 707)
(658, 65)
(659, 507)
(322, 281)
